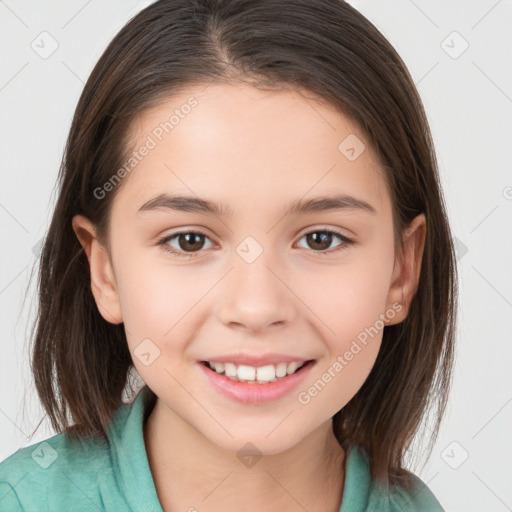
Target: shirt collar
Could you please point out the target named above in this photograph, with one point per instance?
(136, 482)
(131, 463)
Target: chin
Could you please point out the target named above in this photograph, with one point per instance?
(255, 442)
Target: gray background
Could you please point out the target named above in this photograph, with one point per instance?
(467, 93)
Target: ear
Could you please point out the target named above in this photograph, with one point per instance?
(103, 283)
(406, 272)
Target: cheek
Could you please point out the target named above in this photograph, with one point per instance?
(351, 305)
(352, 332)
(165, 302)
(153, 297)
(350, 297)
(155, 316)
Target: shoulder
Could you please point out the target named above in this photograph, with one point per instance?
(373, 496)
(86, 474)
(398, 499)
(54, 473)
(419, 499)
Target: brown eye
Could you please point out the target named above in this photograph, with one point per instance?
(321, 240)
(188, 243)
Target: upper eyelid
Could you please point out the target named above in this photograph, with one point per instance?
(303, 231)
(335, 231)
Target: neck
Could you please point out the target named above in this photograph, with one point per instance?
(192, 473)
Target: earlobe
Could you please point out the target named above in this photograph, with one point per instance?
(103, 283)
(406, 274)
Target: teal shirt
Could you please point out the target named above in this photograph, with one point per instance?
(92, 475)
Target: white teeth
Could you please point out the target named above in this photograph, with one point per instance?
(281, 369)
(292, 367)
(268, 373)
(230, 369)
(246, 372)
(219, 367)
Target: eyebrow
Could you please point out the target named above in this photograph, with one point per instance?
(299, 206)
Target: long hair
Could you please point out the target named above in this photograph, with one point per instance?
(81, 363)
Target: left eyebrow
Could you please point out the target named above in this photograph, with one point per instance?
(298, 206)
(328, 203)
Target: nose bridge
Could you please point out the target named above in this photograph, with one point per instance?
(256, 296)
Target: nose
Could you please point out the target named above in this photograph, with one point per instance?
(256, 296)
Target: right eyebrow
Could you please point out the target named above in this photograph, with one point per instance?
(186, 204)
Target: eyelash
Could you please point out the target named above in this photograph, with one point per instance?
(164, 241)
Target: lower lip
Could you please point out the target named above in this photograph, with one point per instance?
(255, 393)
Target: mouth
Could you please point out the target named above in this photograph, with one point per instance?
(251, 385)
(256, 375)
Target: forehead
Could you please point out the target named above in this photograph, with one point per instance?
(248, 146)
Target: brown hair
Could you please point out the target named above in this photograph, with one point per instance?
(80, 362)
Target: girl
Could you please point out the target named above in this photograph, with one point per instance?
(250, 219)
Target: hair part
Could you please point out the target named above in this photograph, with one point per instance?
(81, 363)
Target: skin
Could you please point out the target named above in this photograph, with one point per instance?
(255, 151)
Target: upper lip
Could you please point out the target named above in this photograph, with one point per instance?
(256, 360)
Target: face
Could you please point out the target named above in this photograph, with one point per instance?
(255, 277)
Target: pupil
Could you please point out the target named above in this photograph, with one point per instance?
(321, 238)
(196, 240)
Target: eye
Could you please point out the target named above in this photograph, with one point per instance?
(189, 242)
(186, 241)
(321, 240)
